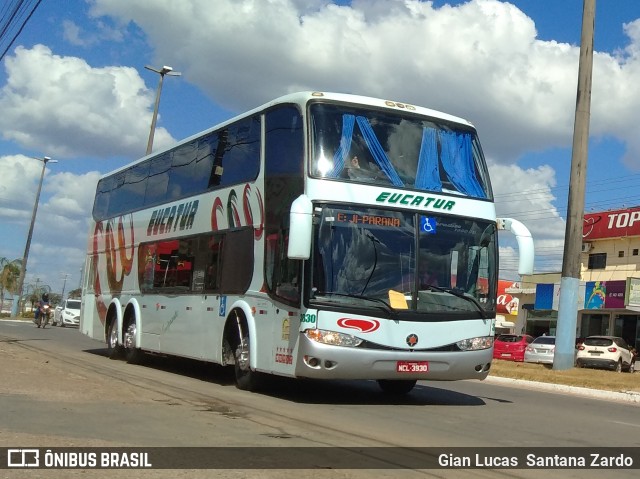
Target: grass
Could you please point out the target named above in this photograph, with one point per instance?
(588, 378)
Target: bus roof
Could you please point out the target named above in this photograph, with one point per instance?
(302, 98)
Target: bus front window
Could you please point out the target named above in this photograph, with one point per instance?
(403, 262)
(400, 149)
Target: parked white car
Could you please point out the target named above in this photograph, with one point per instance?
(68, 314)
(606, 352)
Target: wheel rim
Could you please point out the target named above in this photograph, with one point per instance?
(130, 336)
(113, 337)
(242, 355)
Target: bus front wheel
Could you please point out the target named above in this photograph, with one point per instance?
(246, 379)
(397, 386)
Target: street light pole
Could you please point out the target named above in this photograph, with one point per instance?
(64, 285)
(23, 267)
(165, 70)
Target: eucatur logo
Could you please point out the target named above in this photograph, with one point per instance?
(178, 216)
(362, 325)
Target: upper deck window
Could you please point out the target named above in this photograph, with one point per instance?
(228, 156)
(400, 149)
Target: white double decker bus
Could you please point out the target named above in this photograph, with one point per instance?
(320, 235)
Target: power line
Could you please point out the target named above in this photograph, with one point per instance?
(12, 18)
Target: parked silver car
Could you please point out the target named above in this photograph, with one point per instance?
(540, 350)
(68, 314)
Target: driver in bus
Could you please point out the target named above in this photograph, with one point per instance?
(357, 171)
(427, 276)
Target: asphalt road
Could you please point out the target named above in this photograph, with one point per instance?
(60, 390)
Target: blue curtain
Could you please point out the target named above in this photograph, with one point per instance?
(378, 152)
(345, 145)
(457, 161)
(428, 174)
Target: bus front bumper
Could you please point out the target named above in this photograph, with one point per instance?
(323, 361)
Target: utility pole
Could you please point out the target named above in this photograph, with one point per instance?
(23, 266)
(64, 285)
(570, 281)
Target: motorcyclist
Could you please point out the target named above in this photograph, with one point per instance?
(45, 301)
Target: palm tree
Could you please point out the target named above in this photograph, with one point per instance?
(9, 273)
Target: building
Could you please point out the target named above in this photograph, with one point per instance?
(609, 297)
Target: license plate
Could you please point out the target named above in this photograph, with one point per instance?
(506, 355)
(412, 366)
(595, 352)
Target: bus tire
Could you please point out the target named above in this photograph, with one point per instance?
(397, 386)
(246, 379)
(114, 350)
(133, 355)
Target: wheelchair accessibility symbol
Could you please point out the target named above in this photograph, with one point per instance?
(427, 225)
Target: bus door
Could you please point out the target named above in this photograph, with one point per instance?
(91, 308)
(213, 303)
(283, 281)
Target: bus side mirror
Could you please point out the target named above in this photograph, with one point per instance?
(526, 249)
(300, 224)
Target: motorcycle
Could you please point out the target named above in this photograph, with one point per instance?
(44, 315)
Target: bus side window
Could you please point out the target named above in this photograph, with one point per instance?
(284, 154)
(237, 261)
(214, 245)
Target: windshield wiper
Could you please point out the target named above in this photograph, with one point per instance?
(386, 306)
(459, 294)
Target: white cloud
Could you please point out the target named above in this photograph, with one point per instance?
(66, 108)
(480, 60)
(75, 35)
(526, 195)
(60, 232)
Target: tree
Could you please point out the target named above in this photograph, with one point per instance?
(9, 273)
(75, 293)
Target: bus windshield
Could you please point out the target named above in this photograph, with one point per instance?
(399, 149)
(404, 262)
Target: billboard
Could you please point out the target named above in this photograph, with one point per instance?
(506, 304)
(611, 224)
(605, 294)
(632, 300)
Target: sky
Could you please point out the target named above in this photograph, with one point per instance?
(73, 87)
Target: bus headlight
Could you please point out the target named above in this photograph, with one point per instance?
(333, 338)
(474, 344)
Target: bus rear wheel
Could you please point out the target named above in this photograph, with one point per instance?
(133, 355)
(397, 386)
(114, 350)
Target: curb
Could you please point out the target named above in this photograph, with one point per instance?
(624, 396)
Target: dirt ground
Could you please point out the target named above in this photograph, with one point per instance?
(30, 379)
